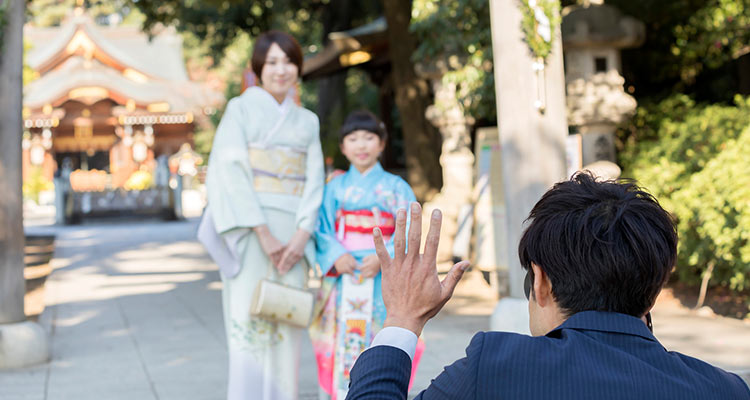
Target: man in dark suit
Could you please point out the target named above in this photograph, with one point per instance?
(597, 254)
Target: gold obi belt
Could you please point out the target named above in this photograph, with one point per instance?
(278, 169)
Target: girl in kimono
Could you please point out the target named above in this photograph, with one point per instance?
(350, 301)
(265, 185)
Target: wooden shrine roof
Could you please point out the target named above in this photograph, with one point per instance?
(82, 59)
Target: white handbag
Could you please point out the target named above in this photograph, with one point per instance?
(277, 302)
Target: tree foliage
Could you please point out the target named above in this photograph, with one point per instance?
(688, 141)
(715, 34)
(692, 47)
(457, 35)
(52, 12)
(694, 160)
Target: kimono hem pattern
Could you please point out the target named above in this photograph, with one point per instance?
(348, 315)
(266, 167)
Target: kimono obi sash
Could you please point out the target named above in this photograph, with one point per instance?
(354, 227)
(278, 169)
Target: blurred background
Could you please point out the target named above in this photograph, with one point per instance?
(121, 99)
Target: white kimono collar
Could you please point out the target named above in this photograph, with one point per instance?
(281, 107)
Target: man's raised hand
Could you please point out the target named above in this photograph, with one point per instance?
(412, 292)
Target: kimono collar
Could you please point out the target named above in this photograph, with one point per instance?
(375, 169)
(281, 107)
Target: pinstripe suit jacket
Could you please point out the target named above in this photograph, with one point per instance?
(592, 355)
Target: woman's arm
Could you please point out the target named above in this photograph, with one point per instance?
(229, 182)
(328, 248)
(234, 204)
(312, 195)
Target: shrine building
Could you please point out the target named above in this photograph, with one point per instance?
(107, 98)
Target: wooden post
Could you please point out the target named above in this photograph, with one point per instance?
(531, 142)
(22, 342)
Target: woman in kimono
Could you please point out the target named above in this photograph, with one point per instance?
(265, 185)
(350, 301)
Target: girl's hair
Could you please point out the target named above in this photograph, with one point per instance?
(365, 121)
(287, 43)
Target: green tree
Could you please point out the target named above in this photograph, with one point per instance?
(422, 141)
(457, 35)
(693, 158)
(688, 140)
(696, 47)
(52, 12)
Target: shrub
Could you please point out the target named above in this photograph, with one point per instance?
(695, 160)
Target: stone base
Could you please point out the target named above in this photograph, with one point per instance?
(23, 344)
(511, 315)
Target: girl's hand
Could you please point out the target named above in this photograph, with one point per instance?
(293, 251)
(370, 266)
(346, 264)
(270, 245)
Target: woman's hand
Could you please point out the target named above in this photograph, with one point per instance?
(293, 251)
(346, 264)
(370, 266)
(270, 245)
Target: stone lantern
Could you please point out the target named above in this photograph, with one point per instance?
(593, 35)
(456, 159)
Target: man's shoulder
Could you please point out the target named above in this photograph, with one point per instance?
(596, 359)
(712, 373)
(508, 346)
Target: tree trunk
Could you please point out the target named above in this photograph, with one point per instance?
(337, 16)
(704, 284)
(422, 142)
(12, 284)
(743, 74)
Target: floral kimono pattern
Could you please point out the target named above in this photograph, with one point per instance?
(350, 309)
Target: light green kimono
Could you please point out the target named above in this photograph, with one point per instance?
(266, 167)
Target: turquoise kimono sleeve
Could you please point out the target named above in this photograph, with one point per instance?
(404, 198)
(229, 181)
(328, 248)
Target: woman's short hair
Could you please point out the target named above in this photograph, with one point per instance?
(287, 43)
(363, 120)
(604, 245)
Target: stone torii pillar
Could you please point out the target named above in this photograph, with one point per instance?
(531, 141)
(22, 342)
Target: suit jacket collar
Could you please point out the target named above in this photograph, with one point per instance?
(605, 322)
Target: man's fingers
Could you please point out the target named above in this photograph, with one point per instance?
(380, 250)
(451, 280)
(433, 238)
(415, 231)
(399, 236)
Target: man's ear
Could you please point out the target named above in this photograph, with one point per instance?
(542, 287)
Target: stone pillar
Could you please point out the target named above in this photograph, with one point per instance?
(22, 342)
(457, 161)
(532, 142)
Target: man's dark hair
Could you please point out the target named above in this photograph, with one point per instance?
(605, 245)
(365, 121)
(287, 43)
